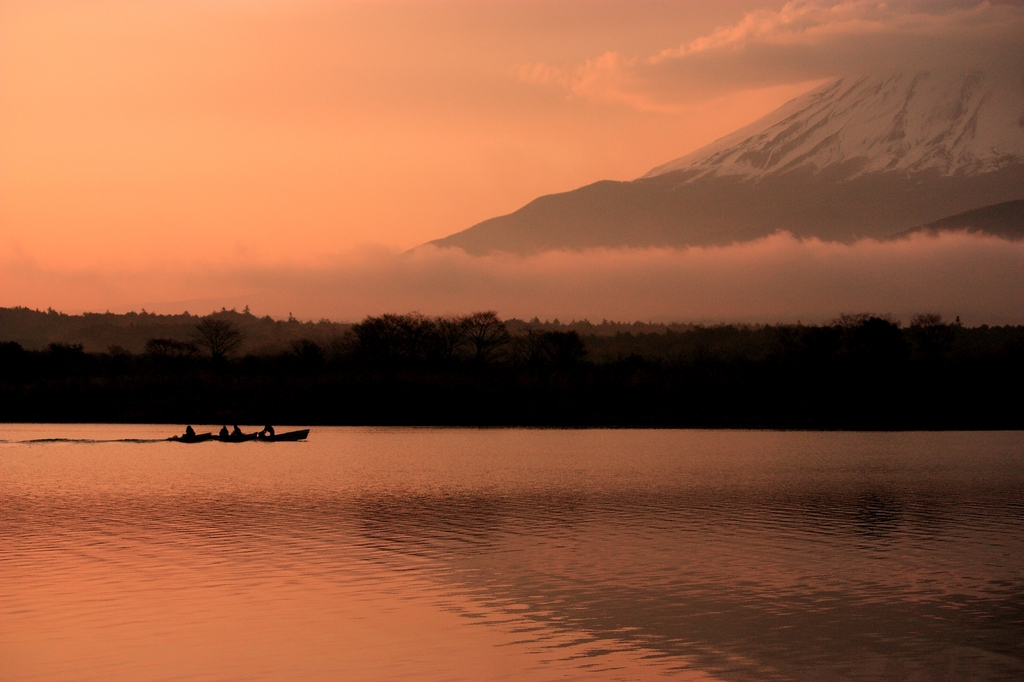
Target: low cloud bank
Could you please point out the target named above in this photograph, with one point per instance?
(776, 279)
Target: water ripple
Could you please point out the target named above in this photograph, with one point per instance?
(534, 554)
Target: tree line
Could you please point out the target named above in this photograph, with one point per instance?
(858, 371)
(394, 341)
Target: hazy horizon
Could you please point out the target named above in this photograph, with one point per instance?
(777, 279)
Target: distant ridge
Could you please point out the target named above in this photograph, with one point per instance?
(98, 332)
(1004, 220)
(860, 157)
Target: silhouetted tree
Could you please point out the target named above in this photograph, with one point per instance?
(926, 320)
(564, 349)
(485, 334)
(169, 348)
(12, 358)
(880, 340)
(929, 335)
(66, 349)
(451, 336)
(390, 338)
(537, 348)
(67, 357)
(527, 348)
(218, 336)
(376, 338)
(118, 351)
(309, 354)
(418, 335)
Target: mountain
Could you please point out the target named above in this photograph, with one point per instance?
(860, 157)
(1004, 220)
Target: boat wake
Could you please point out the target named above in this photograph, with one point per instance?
(298, 435)
(88, 440)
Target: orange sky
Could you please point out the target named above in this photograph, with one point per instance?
(200, 153)
(269, 131)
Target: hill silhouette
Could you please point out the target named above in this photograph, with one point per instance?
(1004, 220)
(97, 332)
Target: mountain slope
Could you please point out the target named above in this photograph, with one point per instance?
(1004, 220)
(967, 122)
(860, 157)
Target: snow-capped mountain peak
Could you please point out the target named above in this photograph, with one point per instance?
(970, 122)
(865, 157)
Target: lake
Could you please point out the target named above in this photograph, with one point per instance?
(511, 554)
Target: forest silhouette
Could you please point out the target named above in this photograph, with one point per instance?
(857, 372)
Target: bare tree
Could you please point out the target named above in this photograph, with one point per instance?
(392, 337)
(218, 336)
(485, 333)
(926, 320)
(528, 348)
(451, 335)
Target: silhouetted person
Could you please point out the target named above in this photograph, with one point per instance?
(224, 431)
(190, 432)
(236, 431)
(268, 430)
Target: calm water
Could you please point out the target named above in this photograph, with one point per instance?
(511, 554)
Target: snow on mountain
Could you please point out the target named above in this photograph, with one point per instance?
(969, 122)
(861, 157)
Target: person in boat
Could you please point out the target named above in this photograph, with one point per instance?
(267, 432)
(224, 431)
(237, 432)
(190, 432)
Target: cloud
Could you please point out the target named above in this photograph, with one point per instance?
(609, 78)
(779, 278)
(801, 42)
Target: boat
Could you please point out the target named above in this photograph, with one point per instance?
(236, 438)
(277, 437)
(197, 438)
(286, 436)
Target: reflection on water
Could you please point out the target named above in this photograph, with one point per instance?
(511, 554)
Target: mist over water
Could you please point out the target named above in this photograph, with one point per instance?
(776, 279)
(511, 554)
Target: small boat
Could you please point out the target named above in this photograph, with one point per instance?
(286, 436)
(236, 438)
(197, 438)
